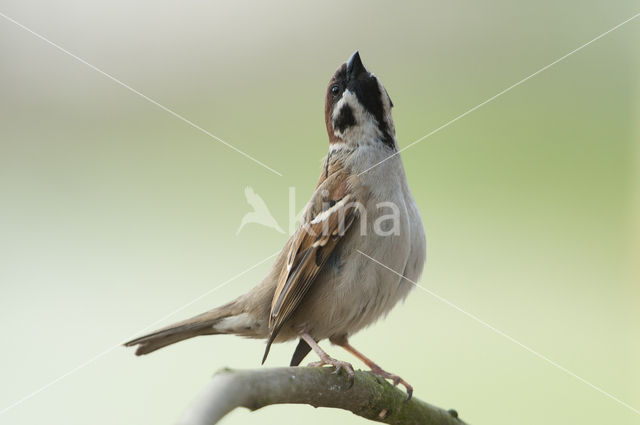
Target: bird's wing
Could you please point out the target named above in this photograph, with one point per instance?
(328, 218)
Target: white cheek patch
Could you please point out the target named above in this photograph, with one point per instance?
(348, 98)
(365, 129)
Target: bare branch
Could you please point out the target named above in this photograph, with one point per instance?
(370, 397)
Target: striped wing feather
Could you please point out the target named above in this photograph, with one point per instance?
(313, 244)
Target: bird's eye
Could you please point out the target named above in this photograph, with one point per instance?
(335, 89)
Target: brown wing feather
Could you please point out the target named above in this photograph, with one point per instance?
(313, 244)
(313, 247)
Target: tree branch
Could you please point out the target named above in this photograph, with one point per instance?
(370, 397)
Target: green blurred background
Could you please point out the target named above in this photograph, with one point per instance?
(114, 213)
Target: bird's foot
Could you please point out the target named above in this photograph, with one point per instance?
(377, 370)
(338, 364)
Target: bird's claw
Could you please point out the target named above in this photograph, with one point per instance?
(395, 379)
(338, 365)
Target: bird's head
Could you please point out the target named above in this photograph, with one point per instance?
(357, 107)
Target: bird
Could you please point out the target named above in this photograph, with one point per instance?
(260, 213)
(325, 284)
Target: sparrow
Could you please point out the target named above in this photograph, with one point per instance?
(324, 283)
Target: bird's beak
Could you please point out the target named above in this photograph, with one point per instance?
(355, 66)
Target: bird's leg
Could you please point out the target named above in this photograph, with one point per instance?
(375, 369)
(326, 359)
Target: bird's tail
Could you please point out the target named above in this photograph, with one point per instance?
(226, 319)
